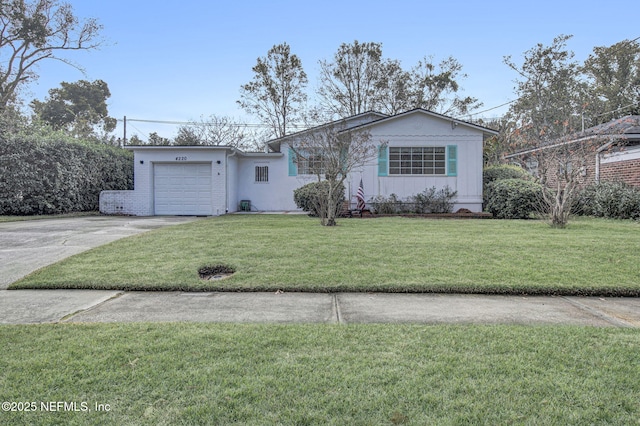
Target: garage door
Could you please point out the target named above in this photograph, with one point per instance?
(182, 189)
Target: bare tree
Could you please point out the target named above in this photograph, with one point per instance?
(395, 90)
(276, 93)
(566, 165)
(562, 169)
(331, 152)
(548, 110)
(34, 31)
(436, 87)
(359, 79)
(214, 130)
(349, 84)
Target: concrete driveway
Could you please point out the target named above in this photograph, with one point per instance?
(26, 246)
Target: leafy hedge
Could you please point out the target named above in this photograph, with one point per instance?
(616, 200)
(42, 175)
(500, 172)
(504, 171)
(513, 198)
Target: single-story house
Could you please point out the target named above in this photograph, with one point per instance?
(615, 147)
(416, 150)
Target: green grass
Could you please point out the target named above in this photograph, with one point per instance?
(322, 374)
(295, 253)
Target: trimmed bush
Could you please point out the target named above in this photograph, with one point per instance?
(616, 200)
(308, 197)
(513, 198)
(504, 171)
(495, 173)
(41, 175)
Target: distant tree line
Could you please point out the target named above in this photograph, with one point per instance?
(358, 79)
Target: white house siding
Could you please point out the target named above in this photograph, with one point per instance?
(419, 129)
(274, 195)
(231, 182)
(424, 130)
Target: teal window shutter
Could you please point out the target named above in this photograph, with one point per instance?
(383, 161)
(293, 167)
(344, 159)
(452, 160)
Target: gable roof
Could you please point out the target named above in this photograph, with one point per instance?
(374, 118)
(354, 120)
(486, 132)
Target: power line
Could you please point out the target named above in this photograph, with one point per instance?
(622, 108)
(201, 123)
(487, 110)
(294, 126)
(515, 100)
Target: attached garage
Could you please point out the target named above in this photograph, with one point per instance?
(182, 189)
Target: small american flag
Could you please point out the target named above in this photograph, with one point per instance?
(360, 196)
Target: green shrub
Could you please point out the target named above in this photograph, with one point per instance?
(386, 205)
(44, 175)
(431, 200)
(434, 201)
(310, 196)
(513, 198)
(616, 200)
(504, 171)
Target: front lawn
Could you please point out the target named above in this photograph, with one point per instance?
(162, 374)
(294, 253)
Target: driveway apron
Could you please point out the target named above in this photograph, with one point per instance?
(26, 246)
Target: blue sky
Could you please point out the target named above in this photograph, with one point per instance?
(179, 61)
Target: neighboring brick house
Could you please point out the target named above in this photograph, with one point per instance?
(615, 153)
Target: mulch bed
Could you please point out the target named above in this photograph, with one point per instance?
(457, 215)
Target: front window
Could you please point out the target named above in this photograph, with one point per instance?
(426, 160)
(310, 162)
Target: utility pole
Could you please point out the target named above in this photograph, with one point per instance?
(124, 138)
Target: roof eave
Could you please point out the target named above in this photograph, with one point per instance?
(486, 132)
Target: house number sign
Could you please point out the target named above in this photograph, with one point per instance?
(181, 158)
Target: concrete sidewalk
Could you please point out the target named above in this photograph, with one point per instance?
(91, 306)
